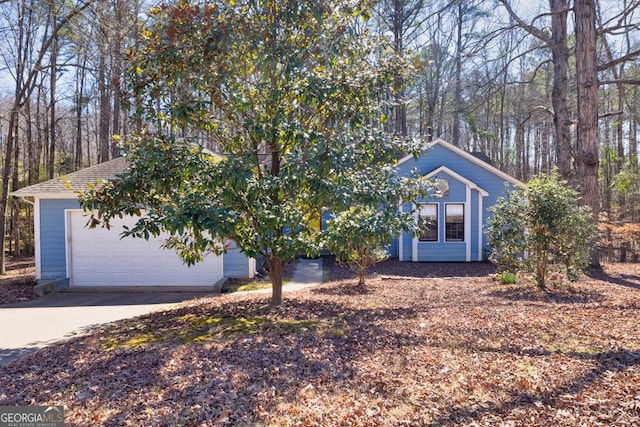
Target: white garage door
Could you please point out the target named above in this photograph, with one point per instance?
(99, 257)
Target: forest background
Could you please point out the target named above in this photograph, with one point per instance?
(533, 85)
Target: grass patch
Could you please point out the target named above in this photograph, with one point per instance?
(191, 329)
(250, 286)
(244, 287)
(507, 277)
(573, 344)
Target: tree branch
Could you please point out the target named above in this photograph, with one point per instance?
(531, 29)
(620, 81)
(614, 62)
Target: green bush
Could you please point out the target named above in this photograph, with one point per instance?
(541, 228)
(358, 237)
(507, 277)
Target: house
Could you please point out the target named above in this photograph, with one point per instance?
(71, 255)
(468, 185)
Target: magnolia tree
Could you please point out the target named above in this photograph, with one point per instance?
(289, 92)
(540, 228)
(360, 233)
(358, 238)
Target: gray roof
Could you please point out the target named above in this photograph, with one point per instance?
(78, 180)
(483, 156)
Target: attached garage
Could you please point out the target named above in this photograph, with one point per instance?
(73, 255)
(99, 257)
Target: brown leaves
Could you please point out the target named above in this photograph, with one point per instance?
(445, 350)
(17, 285)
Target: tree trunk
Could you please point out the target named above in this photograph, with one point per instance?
(275, 273)
(633, 143)
(587, 89)
(52, 110)
(117, 70)
(34, 168)
(457, 92)
(362, 271)
(6, 178)
(15, 208)
(80, 77)
(519, 148)
(561, 116)
(105, 110)
(398, 84)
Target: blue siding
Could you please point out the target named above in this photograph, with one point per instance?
(475, 195)
(437, 156)
(236, 264)
(441, 252)
(457, 190)
(430, 160)
(53, 262)
(393, 248)
(407, 246)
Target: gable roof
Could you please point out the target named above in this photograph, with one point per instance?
(57, 187)
(78, 180)
(458, 178)
(468, 156)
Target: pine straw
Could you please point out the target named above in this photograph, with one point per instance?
(445, 350)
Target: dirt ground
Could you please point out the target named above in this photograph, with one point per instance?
(419, 345)
(17, 285)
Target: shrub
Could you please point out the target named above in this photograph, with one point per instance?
(358, 238)
(541, 228)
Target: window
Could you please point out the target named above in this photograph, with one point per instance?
(429, 231)
(454, 222)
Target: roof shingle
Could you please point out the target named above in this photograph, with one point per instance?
(78, 180)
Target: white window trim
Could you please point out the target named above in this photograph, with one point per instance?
(465, 213)
(400, 242)
(36, 237)
(438, 216)
(68, 241)
(480, 224)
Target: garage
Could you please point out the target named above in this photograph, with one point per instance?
(69, 254)
(100, 257)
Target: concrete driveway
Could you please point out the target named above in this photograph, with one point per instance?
(28, 326)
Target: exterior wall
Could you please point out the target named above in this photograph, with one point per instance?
(443, 251)
(394, 250)
(237, 265)
(53, 261)
(438, 155)
(52, 257)
(475, 196)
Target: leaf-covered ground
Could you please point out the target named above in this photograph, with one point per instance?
(17, 285)
(440, 351)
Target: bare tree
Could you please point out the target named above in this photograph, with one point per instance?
(25, 78)
(556, 41)
(402, 18)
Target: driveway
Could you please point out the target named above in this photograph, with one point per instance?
(28, 326)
